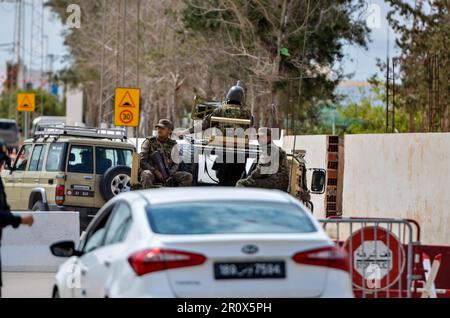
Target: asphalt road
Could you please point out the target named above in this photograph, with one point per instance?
(27, 285)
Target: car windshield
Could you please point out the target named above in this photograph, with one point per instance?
(228, 218)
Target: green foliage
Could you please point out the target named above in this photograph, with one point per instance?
(363, 117)
(424, 29)
(45, 101)
(306, 46)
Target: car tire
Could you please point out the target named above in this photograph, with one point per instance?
(114, 181)
(39, 206)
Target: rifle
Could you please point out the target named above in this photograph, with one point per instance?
(160, 163)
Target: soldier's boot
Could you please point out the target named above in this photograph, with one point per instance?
(147, 179)
(182, 179)
(247, 182)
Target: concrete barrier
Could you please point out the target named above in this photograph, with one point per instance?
(27, 248)
(400, 176)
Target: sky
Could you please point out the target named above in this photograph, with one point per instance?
(359, 62)
(53, 28)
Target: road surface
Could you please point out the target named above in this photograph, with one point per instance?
(27, 285)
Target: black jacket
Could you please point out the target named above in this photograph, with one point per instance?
(5, 159)
(6, 217)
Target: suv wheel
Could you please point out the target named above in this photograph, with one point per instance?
(115, 180)
(38, 206)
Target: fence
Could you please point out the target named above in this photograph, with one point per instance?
(383, 254)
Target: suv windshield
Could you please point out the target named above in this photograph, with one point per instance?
(228, 218)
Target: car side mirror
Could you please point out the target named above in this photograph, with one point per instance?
(64, 249)
(318, 181)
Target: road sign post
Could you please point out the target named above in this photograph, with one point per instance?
(126, 107)
(26, 104)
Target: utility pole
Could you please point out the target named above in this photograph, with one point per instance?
(390, 100)
(387, 81)
(393, 94)
(387, 93)
(18, 48)
(41, 84)
(120, 52)
(434, 107)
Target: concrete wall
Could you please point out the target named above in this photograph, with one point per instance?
(27, 248)
(74, 106)
(316, 157)
(400, 176)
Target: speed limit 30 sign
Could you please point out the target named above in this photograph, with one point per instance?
(126, 107)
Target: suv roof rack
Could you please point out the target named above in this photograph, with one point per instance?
(99, 133)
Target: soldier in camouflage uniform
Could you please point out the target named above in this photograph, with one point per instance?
(148, 171)
(233, 107)
(268, 174)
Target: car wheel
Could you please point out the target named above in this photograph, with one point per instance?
(115, 180)
(38, 206)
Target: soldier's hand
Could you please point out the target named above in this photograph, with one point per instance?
(159, 175)
(27, 219)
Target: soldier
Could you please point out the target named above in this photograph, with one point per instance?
(233, 107)
(268, 173)
(149, 171)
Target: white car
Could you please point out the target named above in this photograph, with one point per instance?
(203, 242)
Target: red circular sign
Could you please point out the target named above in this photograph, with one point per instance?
(377, 258)
(126, 116)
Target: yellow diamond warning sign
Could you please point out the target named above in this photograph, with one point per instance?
(126, 106)
(25, 102)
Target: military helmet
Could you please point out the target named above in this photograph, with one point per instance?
(235, 94)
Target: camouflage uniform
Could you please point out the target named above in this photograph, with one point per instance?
(275, 177)
(169, 151)
(227, 111)
(227, 173)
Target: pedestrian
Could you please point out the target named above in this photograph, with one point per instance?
(5, 160)
(7, 218)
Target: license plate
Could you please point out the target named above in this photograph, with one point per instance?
(249, 270)
(80, 193)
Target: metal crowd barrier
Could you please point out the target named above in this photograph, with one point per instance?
(382, 253)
